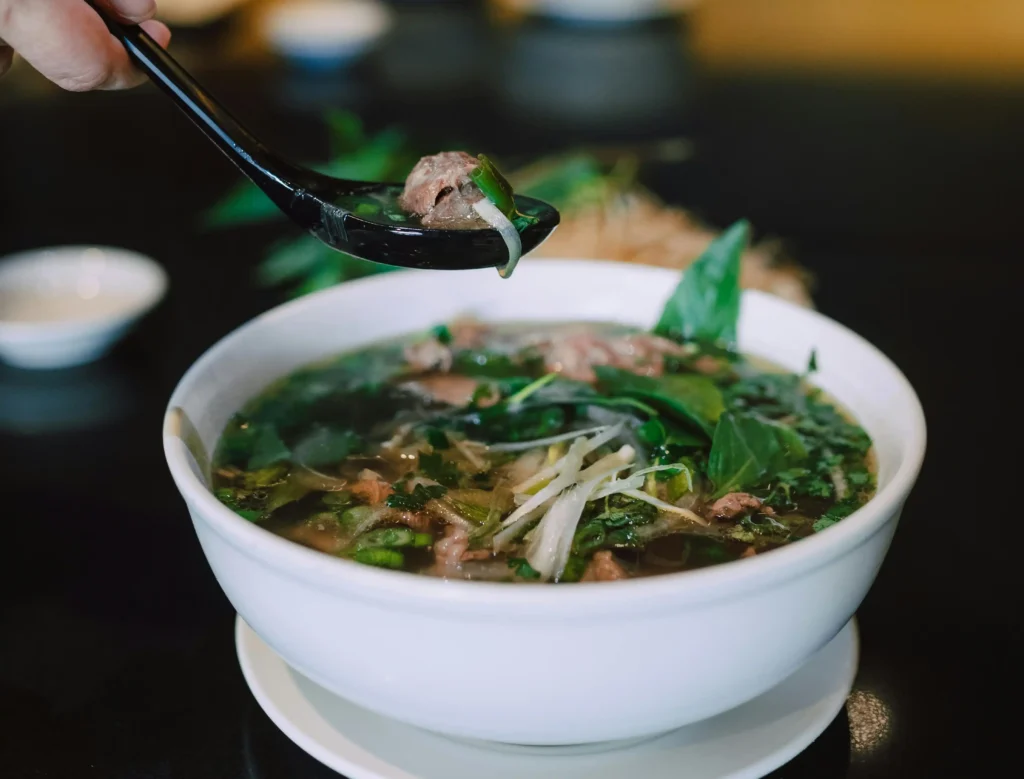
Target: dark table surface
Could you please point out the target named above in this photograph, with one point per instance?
(116, 650)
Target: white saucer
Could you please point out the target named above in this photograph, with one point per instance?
(745, 743)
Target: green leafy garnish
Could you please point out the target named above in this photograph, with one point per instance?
(417, 499)
(521, 568)
(688, 398)
(706, 304)
(435, 467)
(748, 450)
(327, 446)
(267, 449)
(839, 511)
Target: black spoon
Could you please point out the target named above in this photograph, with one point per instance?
(321, 204)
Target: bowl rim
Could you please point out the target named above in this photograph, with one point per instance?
(144, 302)
(498, 600)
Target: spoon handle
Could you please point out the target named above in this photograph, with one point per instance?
(273, 175)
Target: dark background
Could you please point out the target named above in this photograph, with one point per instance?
(901, 195)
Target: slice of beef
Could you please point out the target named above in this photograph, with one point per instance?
(574, 355)
(449, 550)
(603, 567)
(735, 505)
(440, 191)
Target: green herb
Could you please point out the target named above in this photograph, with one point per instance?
(574, 569)
(521, 568)
(706, 304)
(253, 515)
(495, 186)
(832, 441)
(812, 363)
(472, 512)
(437, 439)
(381, 558)
(839, 511)
(495, 365)
(417, 499)
(760, 525)
(620, 510)
(613, 525)
(286, 492)
(327, 446)
(267, 449)
(442, 334)
(748, 450)
(687, 398)
(435, 467)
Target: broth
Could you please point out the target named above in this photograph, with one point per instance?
(554, 453)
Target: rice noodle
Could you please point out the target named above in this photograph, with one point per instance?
(491, 214)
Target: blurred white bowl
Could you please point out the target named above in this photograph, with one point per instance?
(325, 33)
(603, 11)
(68, 305)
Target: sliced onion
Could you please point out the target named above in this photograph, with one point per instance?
(491, 214)
(521, 446)
(609, 433)
(668, 507)
(552, 538)
(571, 464)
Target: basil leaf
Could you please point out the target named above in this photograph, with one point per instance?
(692, 399)
(706, 304)
(327, 446)
(748, 450)
(268, 449)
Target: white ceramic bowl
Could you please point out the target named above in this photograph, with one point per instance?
(325, 33)
(68, 305)
(540, 664)
(603, 11)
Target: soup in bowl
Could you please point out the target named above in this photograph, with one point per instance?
(564, 553)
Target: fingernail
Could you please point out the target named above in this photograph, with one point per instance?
(134, 10)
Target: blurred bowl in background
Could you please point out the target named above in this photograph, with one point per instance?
(69, 305)
(434, 51)
(626, 81)
(325, 34)
(601, 11)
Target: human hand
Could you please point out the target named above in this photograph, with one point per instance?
(67, 42)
